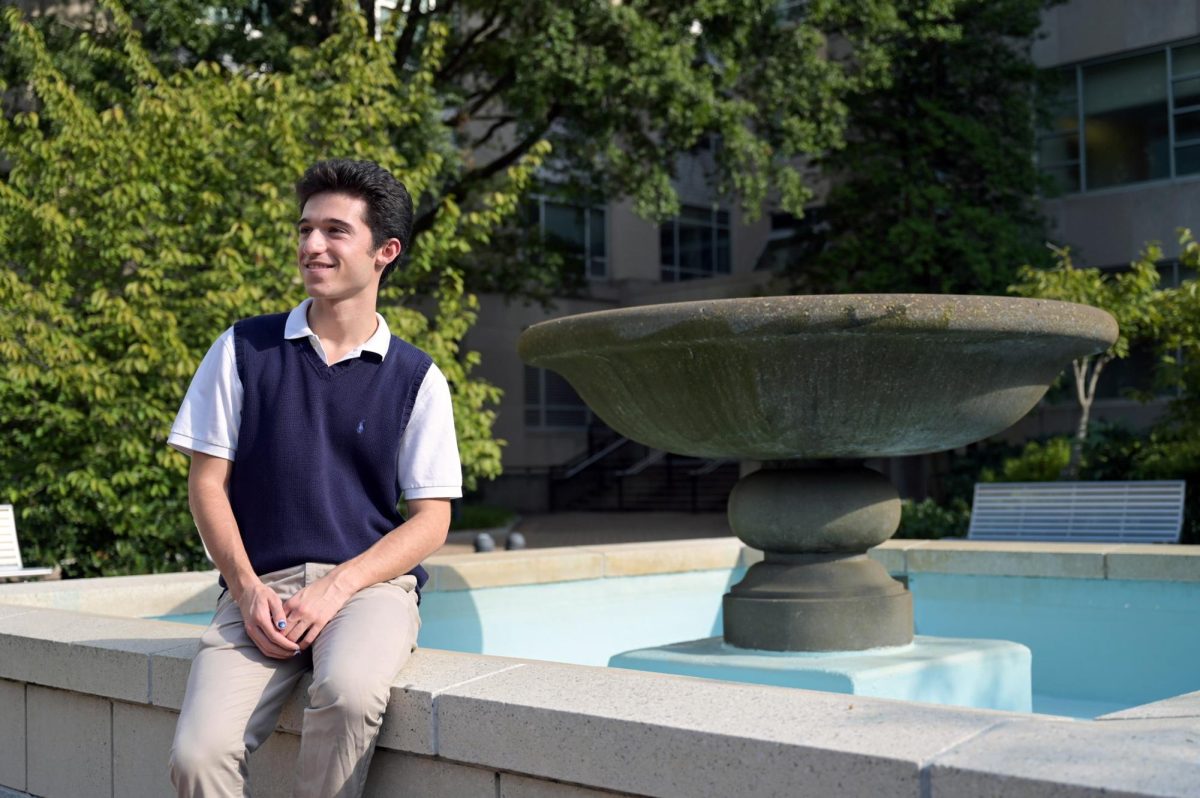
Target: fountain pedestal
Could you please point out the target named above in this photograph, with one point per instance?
(777, 379)
(816, 590)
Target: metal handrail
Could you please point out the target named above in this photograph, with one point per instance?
(709, 467)
(600, 455)
(655, 456)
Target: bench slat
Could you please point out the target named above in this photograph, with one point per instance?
(1136, 511)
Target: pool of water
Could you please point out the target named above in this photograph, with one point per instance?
(1098, 645)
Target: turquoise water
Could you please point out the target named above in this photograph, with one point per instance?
(1098, 645)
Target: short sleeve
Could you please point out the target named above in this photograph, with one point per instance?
(429, 467)
(211, 413)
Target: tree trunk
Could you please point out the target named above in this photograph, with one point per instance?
(1085, 392)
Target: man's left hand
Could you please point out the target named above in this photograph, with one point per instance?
(310, 609)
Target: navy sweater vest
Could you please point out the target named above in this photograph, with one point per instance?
(315, 479)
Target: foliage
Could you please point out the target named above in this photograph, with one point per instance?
(136, 225)
(1132, 297)
(1179, 333)
(1170, 319)
(481, 516)
(1037, 462)
(936, 189)
(622, 90)
(929, 520)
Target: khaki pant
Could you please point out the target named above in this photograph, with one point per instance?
(235, 693)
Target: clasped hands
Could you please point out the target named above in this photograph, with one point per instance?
(282, 629)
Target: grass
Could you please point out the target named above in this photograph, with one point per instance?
(481, 516)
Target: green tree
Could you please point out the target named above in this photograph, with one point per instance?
(620, 89)
(936, 189)
(136, 225)
(1173, 448)
(1132, 297)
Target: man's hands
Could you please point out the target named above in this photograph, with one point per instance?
(311, 608)
(305, 615)
(262, 610)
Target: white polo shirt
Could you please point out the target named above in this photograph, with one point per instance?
(211, 414)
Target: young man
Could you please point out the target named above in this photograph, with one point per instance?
(305, 429)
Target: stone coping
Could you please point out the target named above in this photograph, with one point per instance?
(1130, 561)
(901, 557)
(163, 594)
(628, 731)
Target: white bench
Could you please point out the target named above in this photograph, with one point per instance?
(10, 552)
(1144, 511)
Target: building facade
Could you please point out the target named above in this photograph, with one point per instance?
(1123, 147)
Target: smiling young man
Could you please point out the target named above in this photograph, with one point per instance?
(305, 430)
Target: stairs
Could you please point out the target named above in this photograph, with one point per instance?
(629, 476)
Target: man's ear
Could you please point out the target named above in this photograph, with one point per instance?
(388, 252)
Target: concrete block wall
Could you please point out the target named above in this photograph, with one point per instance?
(88, 705)
(464, 725)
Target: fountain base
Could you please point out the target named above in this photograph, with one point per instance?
(986, 674)
(818, 602)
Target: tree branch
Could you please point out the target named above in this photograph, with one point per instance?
(475, 176)
(1101, 362)
(1080, 368)
(509, 77)
(472, 40)
(404, 44)
(367, 7)
(499, 123)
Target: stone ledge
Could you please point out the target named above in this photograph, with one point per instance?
(93, 654)
(666, 557)
(1181, 706)
(504, 568)
(1131, 561)
(602, 729)
(149, 594)
(1071, 758)
(1007, 558)
(539, 566)
(900, 557)
(1158, 563)
(662, 735)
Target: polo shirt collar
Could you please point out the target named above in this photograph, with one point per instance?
(297, 327)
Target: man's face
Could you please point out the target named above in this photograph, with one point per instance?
(335, 254)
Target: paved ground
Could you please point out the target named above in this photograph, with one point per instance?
(581, 529)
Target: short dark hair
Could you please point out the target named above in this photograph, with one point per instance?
(389, 208)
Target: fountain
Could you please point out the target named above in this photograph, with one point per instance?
(810, 386)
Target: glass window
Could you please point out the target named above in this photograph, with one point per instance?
(1187, 93)
(1126, 121)
(1187, 159)
(695, 244)
(1185, 97)
(1141, 120)
(577, 232)
(1058, 141)
(551, 402)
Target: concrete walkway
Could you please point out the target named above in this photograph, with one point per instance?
(586, 529)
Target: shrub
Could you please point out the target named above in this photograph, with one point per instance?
(137, 223)
(928, 520)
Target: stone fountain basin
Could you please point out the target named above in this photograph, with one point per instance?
(827, 376)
